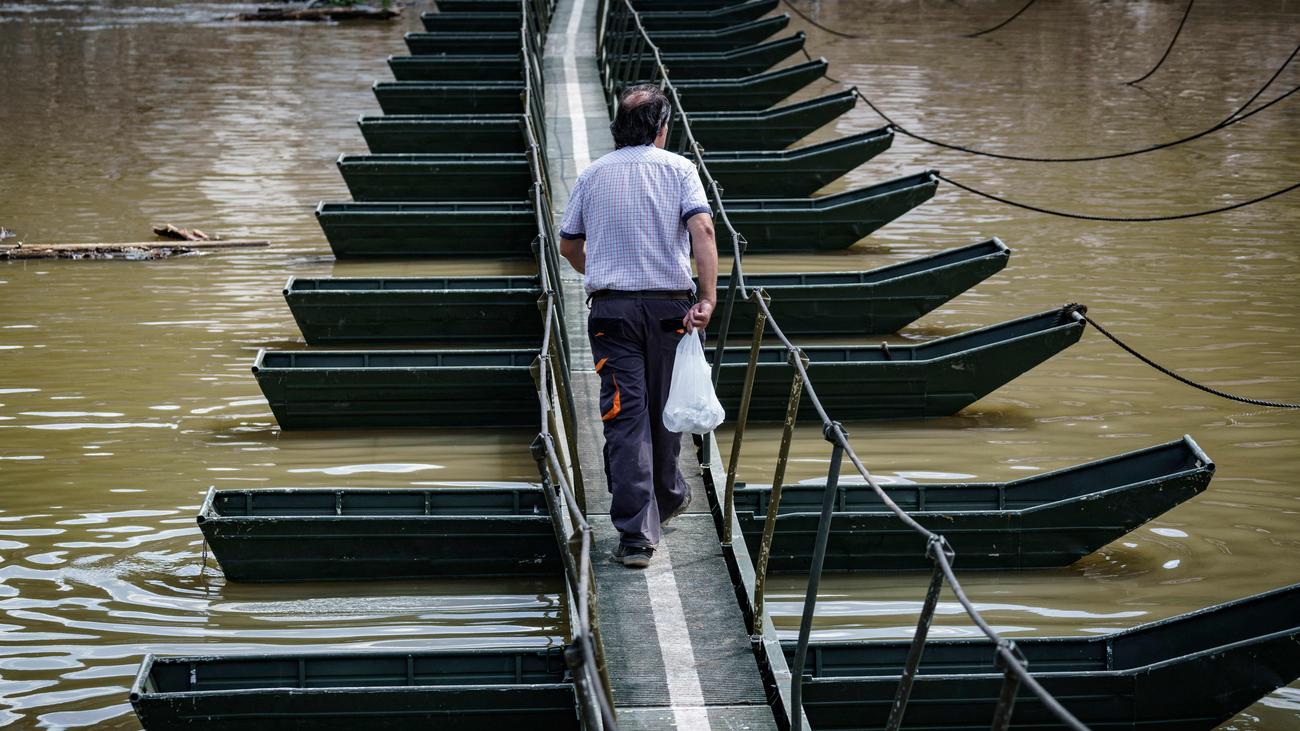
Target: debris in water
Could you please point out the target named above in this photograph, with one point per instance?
(133, 250)
(321, 10)
(168, 231)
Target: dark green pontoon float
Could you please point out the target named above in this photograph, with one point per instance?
(742, 61)
(457, 690)
(462, 44)
(433, 310)
(1190, 673)
(875, 302)
(436, 177)
(722, 17)
(450, 97)
(501, 67)
(313, 534)
(829, 222)
(793, 173)
(478, 6)
(748, 93)
(938, 378)
(716, 39)
(491, 18)
(435, 133)
(399, 388)
(1044, 521)
(770, 129)
(688, 5)
(498, 229)
(481, 21)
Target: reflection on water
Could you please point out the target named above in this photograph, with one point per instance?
(125, 391)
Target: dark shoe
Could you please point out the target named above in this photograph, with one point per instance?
(686, 503)
(633, 557)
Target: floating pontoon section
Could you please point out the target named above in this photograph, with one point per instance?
(498, 229)
(794, 173)
(450, 97)
(467, 690)
(501, 67)
(829, 222)
(399, 388)
(938, 378)
(451, 43)
(748, 93)
(434, 310)
(717, 39)
(481, 21)
(742, 61)
(431, 133)
(875, 302)
(372, 534)
(436, 177)
(658, 20)
(1044, 521)
(1191, 673)
(771, 129)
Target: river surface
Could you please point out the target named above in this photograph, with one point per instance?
(125, 392)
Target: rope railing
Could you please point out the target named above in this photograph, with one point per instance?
(1238, 115)
(561, 473)
(618, 21)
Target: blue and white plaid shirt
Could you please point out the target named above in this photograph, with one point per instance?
(632, 206)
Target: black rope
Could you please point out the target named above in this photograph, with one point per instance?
(999, 25)
(1181, 379)
(1228, 121)
(1084, 158)
(1116, 219)
(1172, 41)
(819, 26)
(1267, 84)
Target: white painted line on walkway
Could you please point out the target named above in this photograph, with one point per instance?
(572, 90)
(684, 691)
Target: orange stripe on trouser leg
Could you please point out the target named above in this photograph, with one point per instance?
(617, 405)
(601, 364)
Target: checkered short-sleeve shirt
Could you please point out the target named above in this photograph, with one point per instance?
(632, 206)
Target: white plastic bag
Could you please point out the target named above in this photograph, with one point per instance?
(692, 405)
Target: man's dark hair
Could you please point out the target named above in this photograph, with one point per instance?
(642, 111)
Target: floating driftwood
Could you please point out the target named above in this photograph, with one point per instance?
(314, 12)
(131, 250)
(168, 231)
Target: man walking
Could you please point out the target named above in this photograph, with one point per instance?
(633, 221)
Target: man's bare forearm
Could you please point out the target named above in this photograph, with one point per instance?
(575, 251)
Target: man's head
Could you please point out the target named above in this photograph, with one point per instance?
(642, 117)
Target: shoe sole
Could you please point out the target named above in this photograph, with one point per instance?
(631, 562)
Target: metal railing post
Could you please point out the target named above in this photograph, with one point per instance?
(728, 309)
(774, 498)
(1010, 684)
(815, 574)
(746, 394)
(935, 544)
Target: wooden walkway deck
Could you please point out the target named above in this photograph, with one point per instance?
(675, 637)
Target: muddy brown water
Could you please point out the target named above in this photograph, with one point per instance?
(125, 391)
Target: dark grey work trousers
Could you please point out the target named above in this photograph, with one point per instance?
(634, 343)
